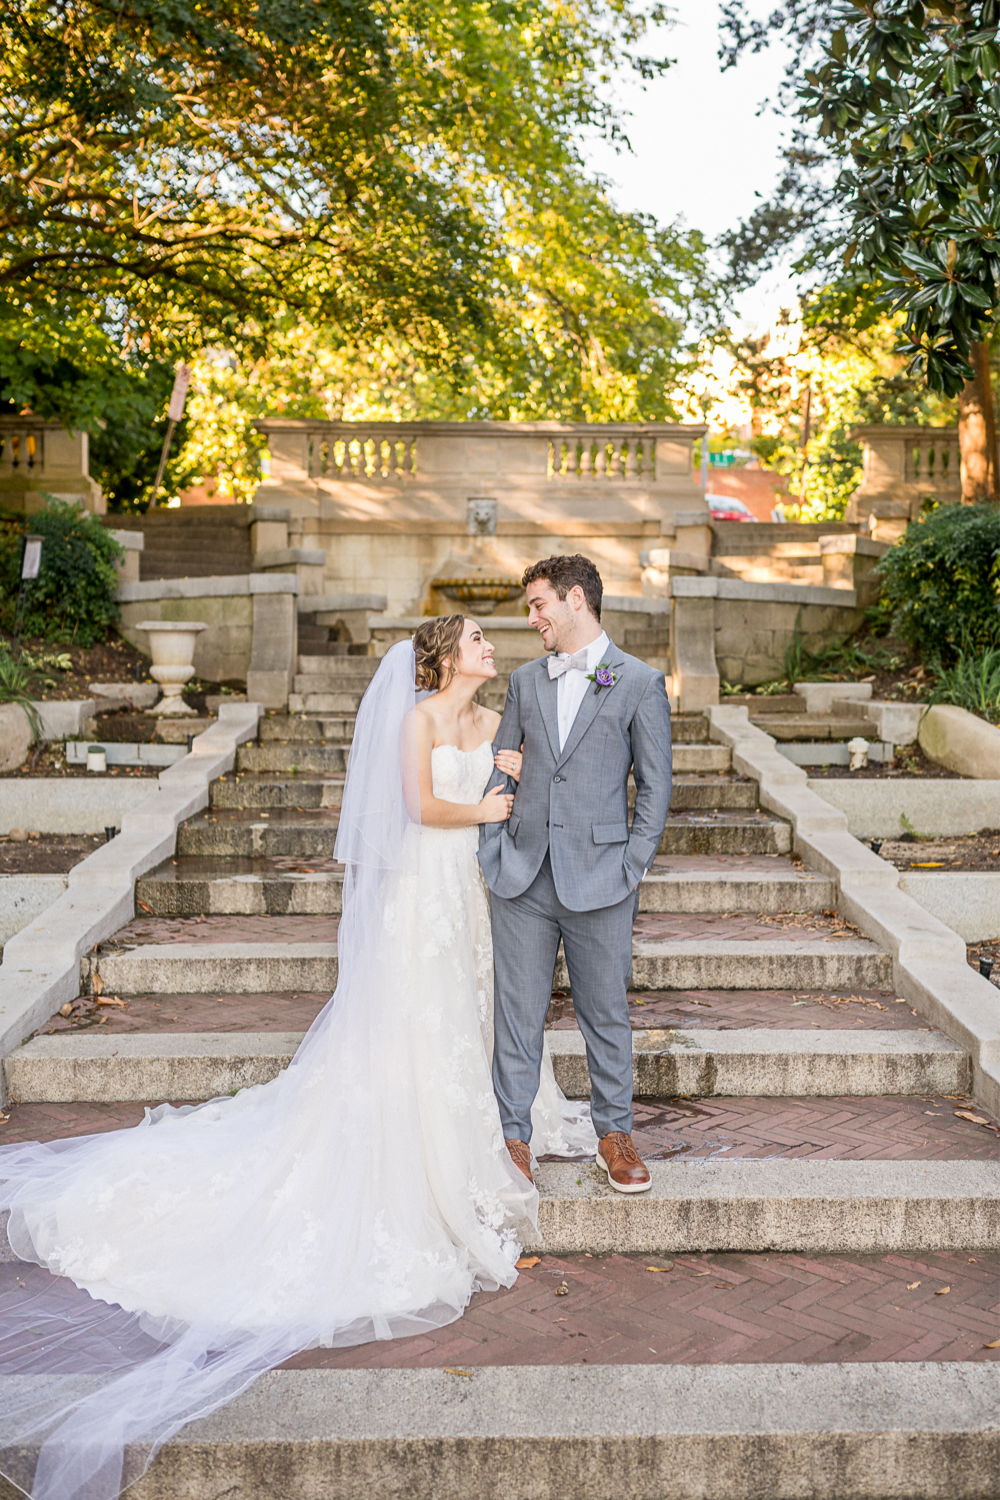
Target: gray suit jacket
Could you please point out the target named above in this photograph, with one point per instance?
(574, 802)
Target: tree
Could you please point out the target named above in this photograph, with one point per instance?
(207, 175)
(907, 97)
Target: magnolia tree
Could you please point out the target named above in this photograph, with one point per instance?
(893, 181)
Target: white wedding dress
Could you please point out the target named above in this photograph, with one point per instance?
(365, 1193)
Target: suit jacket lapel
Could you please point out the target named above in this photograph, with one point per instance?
(547, 691)
(591, 706)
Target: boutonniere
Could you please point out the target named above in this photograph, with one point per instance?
(603, 677)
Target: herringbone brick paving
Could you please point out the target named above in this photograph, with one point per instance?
(663, 926)
(720, 1010)
(712, 1309)
(890, 1128)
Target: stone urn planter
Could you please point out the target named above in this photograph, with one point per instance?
(172, 645)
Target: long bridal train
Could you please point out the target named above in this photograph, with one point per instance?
(365, 1193)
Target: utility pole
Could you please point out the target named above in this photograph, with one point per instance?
(805, 445)
(175, 411)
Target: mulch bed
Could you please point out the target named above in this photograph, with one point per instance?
(113, 660)
(974, 851)
(909, 760)
(50, 760)
(46, 853)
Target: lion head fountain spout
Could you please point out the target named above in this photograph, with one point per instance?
(477, 579)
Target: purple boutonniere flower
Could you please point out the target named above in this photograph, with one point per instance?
(603, 677)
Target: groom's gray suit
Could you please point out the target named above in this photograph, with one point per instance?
(566, 865)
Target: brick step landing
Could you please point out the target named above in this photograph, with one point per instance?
(678, 1010)
(100, 1067)
(710, 1309)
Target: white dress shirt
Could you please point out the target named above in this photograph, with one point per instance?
(572, 687)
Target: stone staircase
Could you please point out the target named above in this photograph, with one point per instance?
(196, 541)
(813, 1148)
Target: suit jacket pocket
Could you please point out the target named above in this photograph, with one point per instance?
(610, 833)
(513, 824)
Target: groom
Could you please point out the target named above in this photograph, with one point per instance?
(566, 864)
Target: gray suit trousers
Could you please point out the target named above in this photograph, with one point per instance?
(598, 949)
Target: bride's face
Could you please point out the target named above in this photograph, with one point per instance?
(475, 657)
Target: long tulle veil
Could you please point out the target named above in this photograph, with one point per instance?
(160, 1269)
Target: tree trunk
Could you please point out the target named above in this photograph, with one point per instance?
(977, 432)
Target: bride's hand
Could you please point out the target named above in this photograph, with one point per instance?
(495, 806)
(509, 762)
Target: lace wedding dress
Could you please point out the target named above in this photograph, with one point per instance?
(365, 1193)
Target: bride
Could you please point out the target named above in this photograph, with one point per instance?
(366, 1193)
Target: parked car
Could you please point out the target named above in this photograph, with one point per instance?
(725, 508)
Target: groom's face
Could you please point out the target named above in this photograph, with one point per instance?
(552, 617)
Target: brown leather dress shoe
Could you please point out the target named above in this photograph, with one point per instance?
(520, 1155)
(627, 1172)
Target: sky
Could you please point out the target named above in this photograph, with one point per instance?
(700, 149)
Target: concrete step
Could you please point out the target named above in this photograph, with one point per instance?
(285, 832)
(242, 968)
(689, 729)
(813, 726)
(323, 700)
(725, 833)
(337, 667)
(320, 729)
(270, 789)
(305, 835)
(712, 792)
(869, 1207)
(191, 886)
(100, 1068)
(328, 725)
(326, 759)
(881, 1431)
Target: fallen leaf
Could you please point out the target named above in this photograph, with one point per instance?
(912, 1286)
(562, 1291)
(965, 1114)
(98, 983)
(466, 1373)
(995, 1345)
(143, 907)
(658, 1268)
(66, 1010)
(527, 1261)
(113, 1000)
(724, 1286)
(942, 1291)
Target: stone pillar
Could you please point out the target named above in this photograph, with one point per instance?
(849, 563)
(269, 528)
(692, 643)
(275, 647)
(128, 566)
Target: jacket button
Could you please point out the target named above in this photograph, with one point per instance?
(557, 778)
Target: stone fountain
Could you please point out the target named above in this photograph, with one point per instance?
(477, 577)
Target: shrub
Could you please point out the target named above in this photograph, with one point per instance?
(73, 598)
(973, 683)
(942, 582)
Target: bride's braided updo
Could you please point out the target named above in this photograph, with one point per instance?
(435, 640)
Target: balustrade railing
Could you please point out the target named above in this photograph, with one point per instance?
(22, 446)
(933, 460)
(345, 452)
(625, 455)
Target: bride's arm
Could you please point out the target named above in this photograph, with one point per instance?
(434, 811)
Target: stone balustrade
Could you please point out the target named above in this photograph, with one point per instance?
(40, 458)
(903, 467)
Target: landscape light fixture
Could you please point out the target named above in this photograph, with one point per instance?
(31, 565)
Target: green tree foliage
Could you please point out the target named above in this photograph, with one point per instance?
(904, 98)
(942, 582)
(403, 178)
(73, 599)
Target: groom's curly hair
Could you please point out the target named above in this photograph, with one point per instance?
(432, 642)
(564, 573)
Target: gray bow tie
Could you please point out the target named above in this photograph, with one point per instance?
(559, 664)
